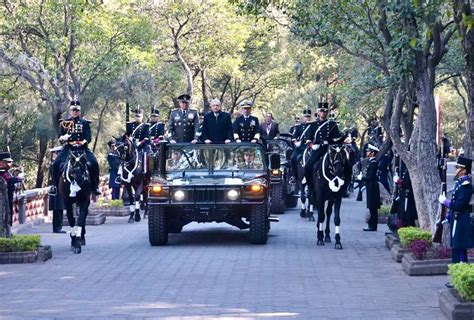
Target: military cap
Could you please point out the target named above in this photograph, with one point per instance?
(307, 113)
(465, 163)
(246, 104)
(155, 111)
(249, 150)
(184, 98)
(324, 106)
(75, 104)
(371, 147)
(5, 156)
(138, 110)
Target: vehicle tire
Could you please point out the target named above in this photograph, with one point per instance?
(278, 199)
(157, 226)
(258, 224)
(291, 200)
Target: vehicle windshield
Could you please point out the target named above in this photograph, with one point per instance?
(199, 157)
(280, 147)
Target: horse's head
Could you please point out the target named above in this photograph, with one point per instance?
(335, 165)
(125, 148)
(78, 167)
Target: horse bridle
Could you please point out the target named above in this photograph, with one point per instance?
(77, 159)
(332, 162)
(128, 145)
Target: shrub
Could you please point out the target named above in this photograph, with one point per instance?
(442, 253)
(462, 278)
(20, 243)
(116, 203)
(409, 234)
(419, 248)
(384, 210)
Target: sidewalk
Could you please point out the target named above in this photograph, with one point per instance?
(211, 271)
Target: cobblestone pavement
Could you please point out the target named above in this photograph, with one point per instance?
(211, 271)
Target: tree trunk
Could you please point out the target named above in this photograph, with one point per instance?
(463, 12)
(99, 125)
(205, 96)
(40, 170)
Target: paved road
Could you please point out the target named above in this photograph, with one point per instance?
(211, 271)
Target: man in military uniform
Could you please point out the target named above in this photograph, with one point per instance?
(56, 203)
(295, 125)
(216, 126)
(372, 187)
(299, 138)
(183, 124)
(246, 127)
(139, 131)
(322, 132)
(249, 161)
(6, 163)
(375, 133)
(75, 132)
(157, 128)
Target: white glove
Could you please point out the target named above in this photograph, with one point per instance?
(315, 147)
(21, 175)
(298, 144)
(441, 198)
(395, 178)
(359, 176)
(64, 137)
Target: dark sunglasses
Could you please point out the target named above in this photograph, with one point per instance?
(75, 110)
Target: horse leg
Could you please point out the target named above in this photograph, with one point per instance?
(71, 220)
(303, 213)
(320, 223)
(138, 196)
(131, 199)
(327, 238)
(311, 203)
(337, 222)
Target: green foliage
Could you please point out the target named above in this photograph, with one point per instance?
(462, 278)
(409, 234)
(102, 203)
(384, 210)
(20, 243)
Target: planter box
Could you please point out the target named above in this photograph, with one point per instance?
(414, 267)
(112, 211)
(94, 218)
(42, 254)
(382, 219)
(391, 239)
(454, 306)
(398, 252)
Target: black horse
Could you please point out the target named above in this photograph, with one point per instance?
(131, 175)
(301, 186)
(75, 188)
(332, 176)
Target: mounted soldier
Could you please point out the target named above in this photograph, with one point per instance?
(157, 128)
(300, 136)
(75, 133)
(183, 123)
(322, 132)
(246, 127)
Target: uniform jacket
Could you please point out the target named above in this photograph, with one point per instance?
(246, 129)
(460, 214)
(372, 185)
(182, 127)
(157, 129)
(270, 131)
(407, 206)
(301, 133)
(216, 129)
(79, 129)
(375, 134)
(114, 164)
(138, 132)
(11, 181)
(324, 132)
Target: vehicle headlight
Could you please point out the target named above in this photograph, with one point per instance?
(156, 189)
(179, 195)
(275, 172)
(232, 195)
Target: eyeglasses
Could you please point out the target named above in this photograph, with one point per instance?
(75, 110)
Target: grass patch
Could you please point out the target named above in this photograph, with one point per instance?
(19, 243)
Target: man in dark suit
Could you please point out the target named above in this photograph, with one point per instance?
(246, 127)
(216, 126)
(269, 128)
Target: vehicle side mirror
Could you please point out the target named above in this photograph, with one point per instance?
(275, 161)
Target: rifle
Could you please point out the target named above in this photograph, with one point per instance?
(360, 184)
(442, 166)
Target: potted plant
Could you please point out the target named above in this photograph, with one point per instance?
(458, 302)
(384, 214)
(111, 207)
(423, 259)
(23, 249)
(407, 235)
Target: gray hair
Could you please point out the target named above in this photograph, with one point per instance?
(214, 101)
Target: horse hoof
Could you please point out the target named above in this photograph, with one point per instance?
(130, 220)
(338, 246)
(320, 243)
(77, 249)
(137, 217)
(327, 239)
(83, 242)
(72, 247)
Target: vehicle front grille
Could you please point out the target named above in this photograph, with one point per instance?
(203, 195)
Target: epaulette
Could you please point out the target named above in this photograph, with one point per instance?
(465, 183)
(90, 121)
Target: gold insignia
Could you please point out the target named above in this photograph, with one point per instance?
(68, 125)
(191, 116)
